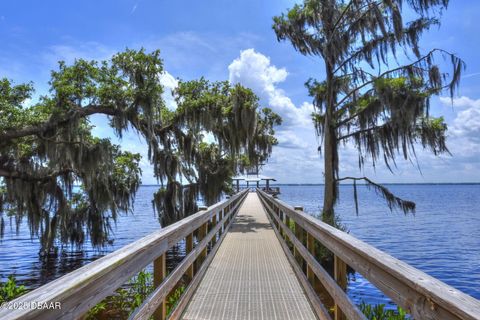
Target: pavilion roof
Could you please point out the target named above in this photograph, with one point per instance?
(254, 178)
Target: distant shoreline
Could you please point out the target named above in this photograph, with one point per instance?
(349, 184)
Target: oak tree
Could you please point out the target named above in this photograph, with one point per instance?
(70, 185)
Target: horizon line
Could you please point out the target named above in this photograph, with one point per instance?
(322, 184)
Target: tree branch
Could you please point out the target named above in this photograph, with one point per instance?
(38, 129)
(341, 16)
(363, 85)
(392, 200)
(14, 174)
(359, 132)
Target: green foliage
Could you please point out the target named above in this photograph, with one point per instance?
(47, 147)
(9, 290)
(174, 298)
(125, 300)
(378, 312)
(368, 98)
(240, 136)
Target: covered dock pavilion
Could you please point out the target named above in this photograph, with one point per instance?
(255, 181)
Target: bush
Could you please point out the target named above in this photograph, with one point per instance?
(10, 290)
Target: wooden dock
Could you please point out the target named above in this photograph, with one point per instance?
(248, 257)
(250, 276)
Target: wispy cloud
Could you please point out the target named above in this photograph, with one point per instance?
(470, 75)
(135, 6)
(76, 50)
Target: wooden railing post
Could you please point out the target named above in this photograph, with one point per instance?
(189, 248)
(296, 254)
(299, 236)
(287, 223)
(280, 215)
(311, 249)
(159, 273)
(202, 232)
(226, 213)
(340, 274)
(214, 223)
(220, 218)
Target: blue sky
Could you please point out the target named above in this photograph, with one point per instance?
(233, 40)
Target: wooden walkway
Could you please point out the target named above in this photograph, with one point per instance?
(250, 276)
(247, 275)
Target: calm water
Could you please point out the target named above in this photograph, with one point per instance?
(441, 239)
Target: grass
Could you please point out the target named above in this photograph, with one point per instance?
(378, 312)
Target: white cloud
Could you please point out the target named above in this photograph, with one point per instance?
(295, 159)
(82, 50)
(289, 139)
(254, 70)
(466, 125)
(135, 6)
(462, 102)
(170, 84)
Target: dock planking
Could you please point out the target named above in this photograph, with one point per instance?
(250, 276)
(245, 274)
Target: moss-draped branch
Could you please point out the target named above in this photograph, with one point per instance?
(370, 98)
(48, 148)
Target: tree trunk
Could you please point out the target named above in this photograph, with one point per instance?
(330, 153)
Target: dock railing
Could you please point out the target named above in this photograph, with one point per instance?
(421, 295)
(79, 291)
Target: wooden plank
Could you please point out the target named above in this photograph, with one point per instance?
(188, 249)
(320, 310)
(332, 287)
(423, 296)
(250, 276)
(340, 274)
(214, 223)
(311, 249)
(202, 233)
(298, 235)
(317, 285)
(159, 274)
(83, 288)
(190, 290)
(160, 293)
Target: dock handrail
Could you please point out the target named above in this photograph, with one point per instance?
(82, 289)
(421, 295)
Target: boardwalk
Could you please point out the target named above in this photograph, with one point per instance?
(250, 276)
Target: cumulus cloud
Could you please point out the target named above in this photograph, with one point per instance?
(255, 70)
(289, 139)
(170, 83)
(461, 102)
(295, 159)
(467, 122)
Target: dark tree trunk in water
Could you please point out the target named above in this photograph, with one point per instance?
(330, 154)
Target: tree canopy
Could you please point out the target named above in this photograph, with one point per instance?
(48, 148)
(378, 84)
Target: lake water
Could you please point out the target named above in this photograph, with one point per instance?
(441, 239)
